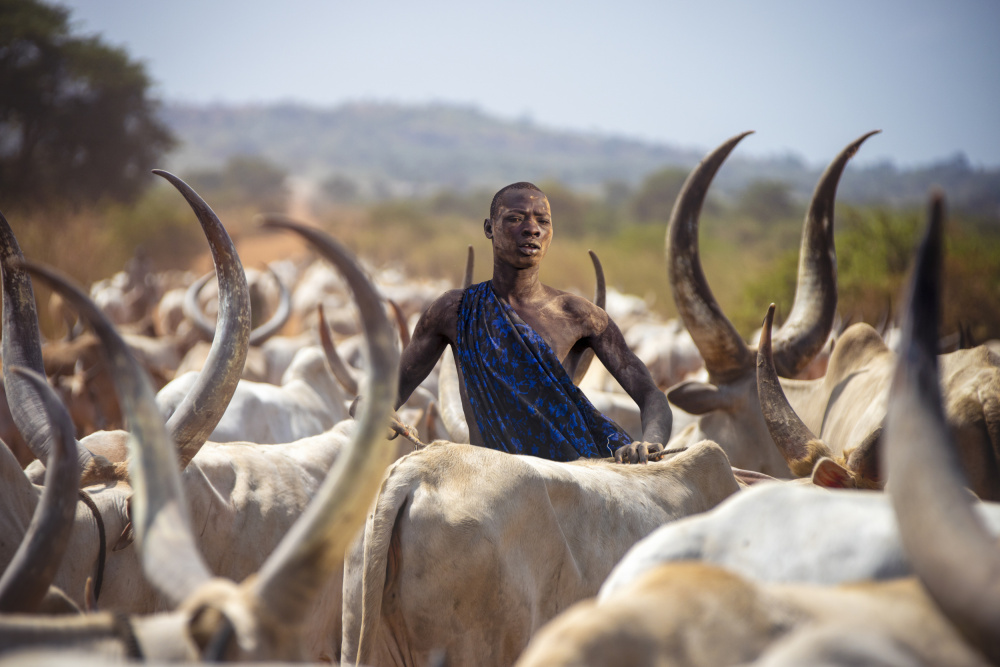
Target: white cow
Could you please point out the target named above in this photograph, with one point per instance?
(468, 551)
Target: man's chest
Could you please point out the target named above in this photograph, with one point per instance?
(560, 331)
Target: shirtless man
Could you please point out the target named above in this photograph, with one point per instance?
(520, 227)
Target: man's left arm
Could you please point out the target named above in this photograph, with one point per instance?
(657, 420)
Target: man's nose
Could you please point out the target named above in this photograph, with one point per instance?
(531, 228)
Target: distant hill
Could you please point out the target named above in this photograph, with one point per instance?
(397, 150)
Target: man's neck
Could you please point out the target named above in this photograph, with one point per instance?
(516, 285)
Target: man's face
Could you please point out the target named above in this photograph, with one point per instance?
(522, 229)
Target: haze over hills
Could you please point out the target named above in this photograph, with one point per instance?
(405, 150)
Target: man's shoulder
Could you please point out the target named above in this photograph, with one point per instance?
(447, 304)
(579, 309)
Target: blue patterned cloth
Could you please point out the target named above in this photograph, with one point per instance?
(523, 400)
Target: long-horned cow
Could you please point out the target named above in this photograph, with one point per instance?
(695, 614)
(265, 616)
(846, 407)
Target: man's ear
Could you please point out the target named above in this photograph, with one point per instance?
(488, 228)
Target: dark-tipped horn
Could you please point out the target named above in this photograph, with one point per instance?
(952, 553)
(808, 326)
(159, 514)
(725, 353)
(33, 567)
(280, 316)
(316, 544)
(800, 448)
(470, 263)
(22, 347)
(333, 359)
(577, 362)
(200, 411)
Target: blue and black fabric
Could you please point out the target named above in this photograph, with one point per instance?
(524, 401)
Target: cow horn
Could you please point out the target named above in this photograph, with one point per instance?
(808, 326)
(800, 448)
(193, 311)
(450, 380)
(404, 329)
(33, 567)
(470, 264)
(450, 400)
(316, 544)
(578, 361)
(169, 556)
(333, 359)
(22, 347)
(952, 553)
(203, 406)
(279, 318)
(204, 326)
(725, 353)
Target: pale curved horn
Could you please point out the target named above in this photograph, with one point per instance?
(279, 318)
(333, 359)
(203, 406)
(316, 544)
(193, 311)
(577, 361)
(797, 444)
(450, 400)
(725, 353)
(22, 347)
(170, 559)
(954, 556)
(805, 331)
(33, 567)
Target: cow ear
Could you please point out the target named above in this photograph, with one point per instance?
(697, 398)
(831, 475)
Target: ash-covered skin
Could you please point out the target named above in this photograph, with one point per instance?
(521, 230)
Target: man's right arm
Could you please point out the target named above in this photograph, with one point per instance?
(437, 328)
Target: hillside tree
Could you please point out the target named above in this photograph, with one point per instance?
(77, 122)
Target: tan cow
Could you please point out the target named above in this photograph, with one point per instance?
(846, 407)
(468, 550)
(696, 614)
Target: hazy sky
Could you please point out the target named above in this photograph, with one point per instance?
(807, 76)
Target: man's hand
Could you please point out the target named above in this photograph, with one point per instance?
(639, 452)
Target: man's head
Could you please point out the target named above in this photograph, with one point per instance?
(520, 225)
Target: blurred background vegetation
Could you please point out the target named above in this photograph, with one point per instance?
(79, 131)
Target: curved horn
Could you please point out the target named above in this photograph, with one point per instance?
(192, 309)
(954, 556)
(470, 264)
(799, 447)
(206, 327)
(450, 400)
(578, 361)
(337, 365)
(404, 330)
(316, 544)
(170, 559)
(33, 567)
(280, 316)
(725, 353)
(22, 347)
(200, 411)
(808, 326)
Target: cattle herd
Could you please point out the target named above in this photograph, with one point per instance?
(180, 482)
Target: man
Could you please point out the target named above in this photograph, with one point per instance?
(509, 335)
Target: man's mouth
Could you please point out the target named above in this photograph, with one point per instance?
(529, 248)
